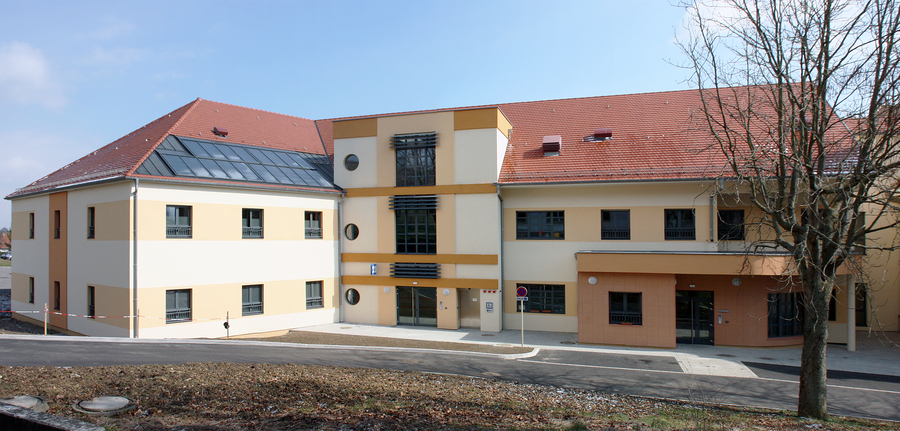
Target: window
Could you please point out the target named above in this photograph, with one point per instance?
(416, 231)
(90, 222)
(178, 305)
(57, 293)
(178, 221)
(540, 225)
(56, 224)
(31, 290)
(680, 224)
(253, 223)
(251, 297)
(31, 225)
(351, 231)
(313, 224)
(832, 306)
(544, 298)
(351, 162)
(415, 159)
(861, 305)
(786, 312)
(615, 224)
(731, 225)
(314, 294)
(625, 308)
(352, 296)
(91, 305)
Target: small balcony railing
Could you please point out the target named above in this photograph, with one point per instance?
(253, 232)
(178, 231)
(252, 308)
(90, 232)
(680, 233)
(625, 318)
(178, 315)
(615, 233)
(313, 233)
(314, 302)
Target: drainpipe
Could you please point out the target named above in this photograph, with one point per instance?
(134, 255)
(712, 218)
(500, 258)
(340, 284)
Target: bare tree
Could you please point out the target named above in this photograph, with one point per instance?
(800, 100)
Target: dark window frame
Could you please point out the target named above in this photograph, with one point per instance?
(91, 302)
(415, 159)
(174, 226)
(416, 231)
(312, 224)
(861, 319)
(31, 290)
(544, 298)
(250, 305)
(176, 313)
(91, 222)
(613, 226)
(786, 313)
(30, 225)
(57, 223)
(313, 300)
(680, 224)
(541, 225)
(248, 217)
(57, 296)
(730, 225)
(626, 308)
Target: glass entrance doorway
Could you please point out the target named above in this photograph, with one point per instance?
(417, 306)
(694, 316)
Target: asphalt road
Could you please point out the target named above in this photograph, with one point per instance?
(852, 394)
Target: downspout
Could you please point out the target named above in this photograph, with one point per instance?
(340, 261)
(134, 254)
(712, 218)
(500, 258)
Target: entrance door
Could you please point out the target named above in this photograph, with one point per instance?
(694, 316)
(417, 306)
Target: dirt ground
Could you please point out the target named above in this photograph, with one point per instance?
(216, 396)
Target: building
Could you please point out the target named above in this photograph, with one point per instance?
(606, 210)
(211, 213)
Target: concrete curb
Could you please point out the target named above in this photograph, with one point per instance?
(15, 417)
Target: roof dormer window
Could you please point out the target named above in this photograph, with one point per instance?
(552, 145)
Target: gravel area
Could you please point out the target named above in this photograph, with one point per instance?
(224, 396)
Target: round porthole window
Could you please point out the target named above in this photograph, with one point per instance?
(351, 231)
(351, 162)
(352, 296)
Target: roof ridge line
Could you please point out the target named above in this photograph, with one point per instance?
(168, 132)
(257, 109)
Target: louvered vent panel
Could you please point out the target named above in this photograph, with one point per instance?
(414, 202)
(416, 270)
(413, 140)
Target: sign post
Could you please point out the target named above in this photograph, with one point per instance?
(522, 296)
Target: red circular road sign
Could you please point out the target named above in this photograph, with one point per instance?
(521, 291)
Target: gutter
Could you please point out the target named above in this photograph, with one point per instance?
(500, 258)
(340, 262)
(134, 255)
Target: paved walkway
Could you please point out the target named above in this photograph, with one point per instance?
(876, 353)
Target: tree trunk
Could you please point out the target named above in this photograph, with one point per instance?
(813, 378)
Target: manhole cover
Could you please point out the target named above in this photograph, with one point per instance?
(27, 402)
(725, 355)
(487, 335)
(567, 342)
(104, 406)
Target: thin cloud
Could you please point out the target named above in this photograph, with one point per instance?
(25, 77)
(115, 58)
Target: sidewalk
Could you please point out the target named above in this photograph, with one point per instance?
(875, 354)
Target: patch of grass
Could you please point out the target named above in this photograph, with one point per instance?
(4, 262)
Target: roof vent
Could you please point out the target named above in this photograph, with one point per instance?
(603, 134)
(552, 145)
(221, 131)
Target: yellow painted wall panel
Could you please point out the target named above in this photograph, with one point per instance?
(358, 128)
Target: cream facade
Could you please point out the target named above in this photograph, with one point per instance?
(408, 261)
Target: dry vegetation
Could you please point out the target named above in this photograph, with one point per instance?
(213, 396)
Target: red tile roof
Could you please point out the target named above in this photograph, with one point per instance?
(198, 119)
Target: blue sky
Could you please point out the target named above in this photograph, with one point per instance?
(75, 76)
